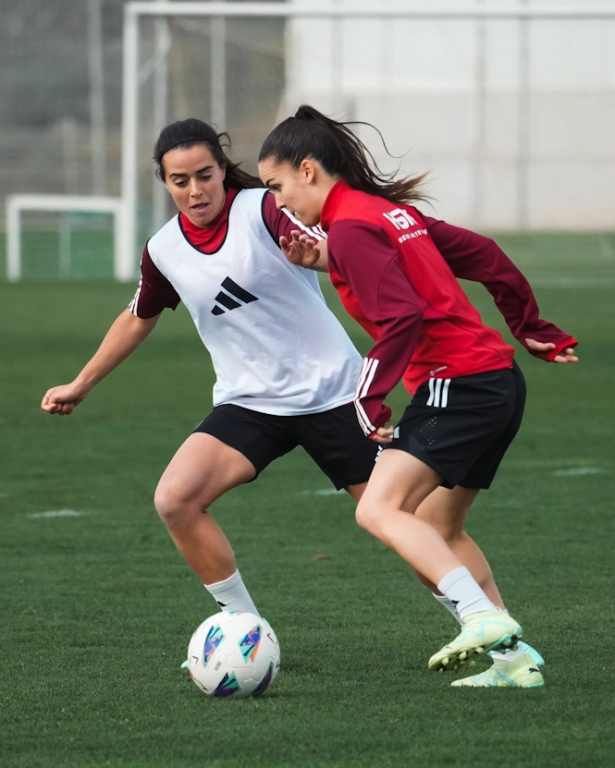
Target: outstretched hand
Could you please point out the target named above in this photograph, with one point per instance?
(301, 249)
(565, 356)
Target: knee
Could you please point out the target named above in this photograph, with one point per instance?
(172, 505)
(366, 517)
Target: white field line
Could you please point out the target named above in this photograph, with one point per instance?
(322, 492)
(576, 471)
(555, 463)
(561, 468)
(58, 513)
(572, 282)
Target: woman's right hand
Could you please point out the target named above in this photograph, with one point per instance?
(63, 399)
(383, 435)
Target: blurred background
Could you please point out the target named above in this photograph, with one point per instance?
(510, 107)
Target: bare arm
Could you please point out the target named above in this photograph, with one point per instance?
(124, 336)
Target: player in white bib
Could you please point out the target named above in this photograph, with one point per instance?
(285, 369)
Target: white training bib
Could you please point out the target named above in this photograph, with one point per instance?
(274, 344)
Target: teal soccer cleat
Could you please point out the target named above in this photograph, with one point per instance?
(521, 672)
(481, 632)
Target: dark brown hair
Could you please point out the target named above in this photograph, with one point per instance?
(188, 133)
(310, 134)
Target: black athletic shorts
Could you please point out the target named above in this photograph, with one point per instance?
(462, 427)
(332, 438)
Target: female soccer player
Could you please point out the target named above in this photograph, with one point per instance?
(468, 393)
(285, 368)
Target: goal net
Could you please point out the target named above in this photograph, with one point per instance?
(51, 237)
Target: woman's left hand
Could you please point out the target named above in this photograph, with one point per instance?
(565, 356)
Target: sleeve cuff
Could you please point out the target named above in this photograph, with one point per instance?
(560, 347)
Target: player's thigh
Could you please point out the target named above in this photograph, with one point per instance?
(446, 508)
(259, 437)
(201, 471)
(399, 481)
(356, 490)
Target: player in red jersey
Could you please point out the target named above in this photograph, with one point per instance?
(468, 393)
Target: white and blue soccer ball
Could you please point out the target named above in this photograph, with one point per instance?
(234, 655)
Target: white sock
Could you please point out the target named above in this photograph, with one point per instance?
(508, 654)
(449, 605)
(232, 595)
(461, 588)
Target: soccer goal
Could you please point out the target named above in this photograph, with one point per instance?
(65, 237)
(510, 109)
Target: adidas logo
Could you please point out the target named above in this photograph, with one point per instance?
(239, 296)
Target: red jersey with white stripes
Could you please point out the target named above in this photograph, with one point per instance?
(394, 280)
(478, 258)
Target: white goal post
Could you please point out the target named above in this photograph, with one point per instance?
(123, 266)
(134, 72)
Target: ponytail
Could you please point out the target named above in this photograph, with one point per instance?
(310, 134)
(189, 133)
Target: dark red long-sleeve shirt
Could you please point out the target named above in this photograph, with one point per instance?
(396, 274)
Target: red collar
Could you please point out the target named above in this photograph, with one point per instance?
(209, 239)
(327, 214)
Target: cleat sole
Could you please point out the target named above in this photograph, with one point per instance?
(465, 656)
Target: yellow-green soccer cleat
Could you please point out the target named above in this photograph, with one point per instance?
(481, 632)
(521, 672)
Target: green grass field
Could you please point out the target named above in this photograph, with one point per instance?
(98, 607)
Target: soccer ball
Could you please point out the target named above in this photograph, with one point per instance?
(234, 655)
